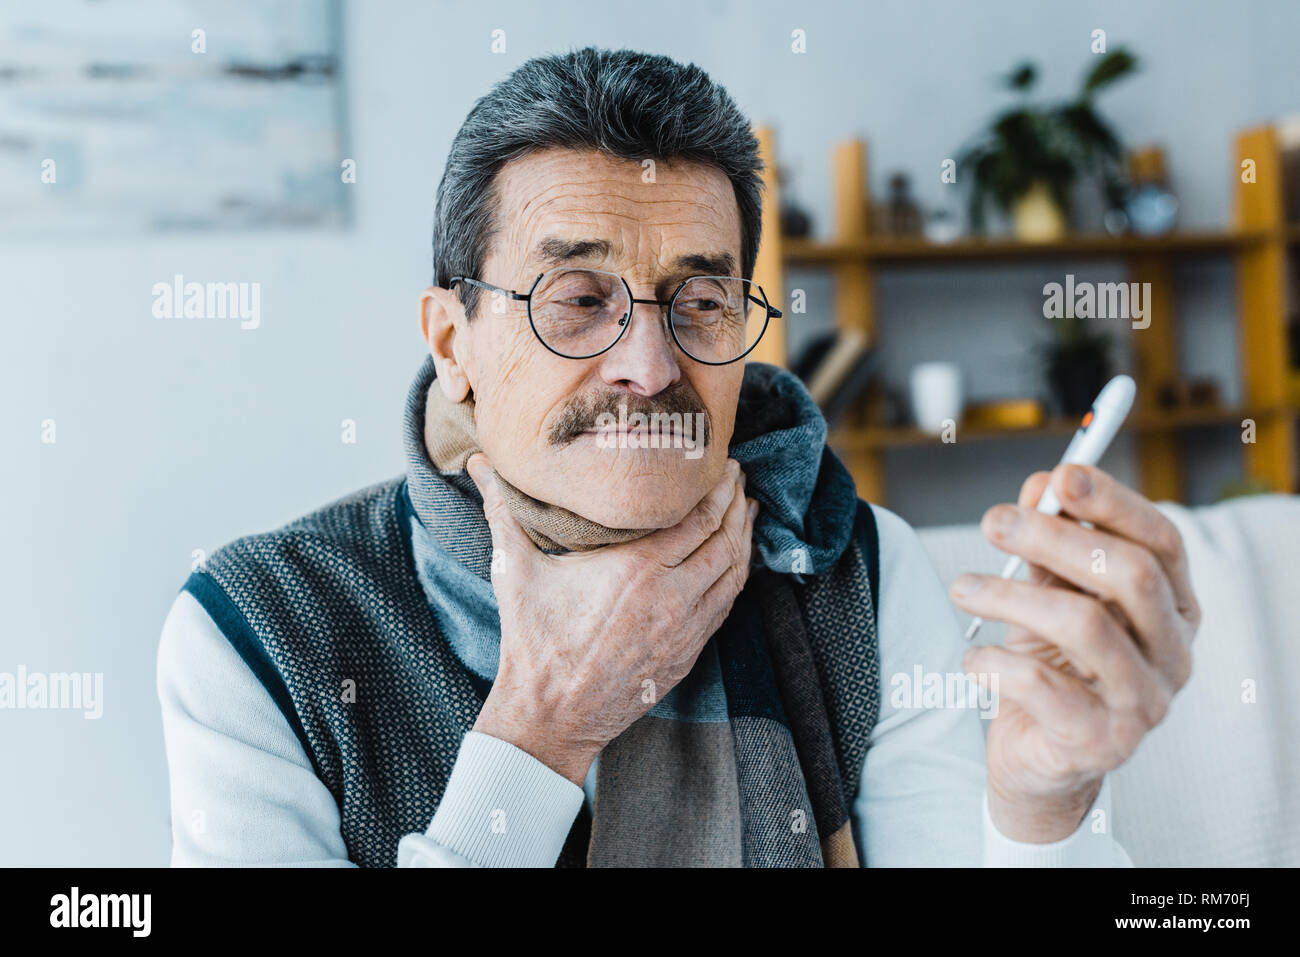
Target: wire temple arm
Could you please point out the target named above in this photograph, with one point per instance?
(523, 297)
(772, 311)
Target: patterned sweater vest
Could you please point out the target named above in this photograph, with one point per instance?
(329, 614)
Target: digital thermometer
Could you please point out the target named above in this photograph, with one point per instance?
(1099, 426)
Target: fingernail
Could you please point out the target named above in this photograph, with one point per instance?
(966, 585)
(753, 509)
(1003, 521)
(733, 468)
(1077, 483)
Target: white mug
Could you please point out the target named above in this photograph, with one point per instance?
(936, 395)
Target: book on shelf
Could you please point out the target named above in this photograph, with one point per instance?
(837, 369)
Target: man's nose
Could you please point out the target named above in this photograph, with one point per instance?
(643, 359)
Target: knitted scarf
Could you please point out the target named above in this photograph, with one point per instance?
(739, 764)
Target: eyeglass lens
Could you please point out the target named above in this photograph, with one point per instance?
(580, 312)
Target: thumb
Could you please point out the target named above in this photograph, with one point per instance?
(508, 536)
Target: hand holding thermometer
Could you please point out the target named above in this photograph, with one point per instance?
(1095, 433)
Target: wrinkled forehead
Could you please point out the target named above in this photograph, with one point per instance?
(644, 218)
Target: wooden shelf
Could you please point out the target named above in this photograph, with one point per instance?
(805, 252)
(1257, 244)
(883, 437)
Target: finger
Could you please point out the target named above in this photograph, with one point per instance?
(673, 545)
(727, 546)
(1102, 564)
(1032, 489)
(1019, 638)
(1041, 576)
(1030, 493)
(508, 536)
(1060, 703)
(1084, 630)
(1091, 494)
(718, 598)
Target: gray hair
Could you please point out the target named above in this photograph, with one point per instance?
(628, 104)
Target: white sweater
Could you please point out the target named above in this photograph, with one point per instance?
(243, 791)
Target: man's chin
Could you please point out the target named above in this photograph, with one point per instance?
(628, 515)
(641, 488)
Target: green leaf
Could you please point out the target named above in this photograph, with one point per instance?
(1091, 133)
(1018, 131)
(1113, 65)
(1022, 77)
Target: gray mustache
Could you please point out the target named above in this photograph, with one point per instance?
(582, 415)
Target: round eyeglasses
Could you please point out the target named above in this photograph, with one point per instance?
(578, 313)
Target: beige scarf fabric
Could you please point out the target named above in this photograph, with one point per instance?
(451, 438)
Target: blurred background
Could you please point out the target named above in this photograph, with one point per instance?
(935, 168)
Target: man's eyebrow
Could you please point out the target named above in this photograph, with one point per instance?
(553, 251)
(711, 264)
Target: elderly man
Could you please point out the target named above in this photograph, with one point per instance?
(625, 607)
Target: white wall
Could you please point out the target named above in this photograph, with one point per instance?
(180, 435)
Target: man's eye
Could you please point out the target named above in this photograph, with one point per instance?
(702, 305)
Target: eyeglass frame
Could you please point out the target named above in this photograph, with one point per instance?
(771, 311)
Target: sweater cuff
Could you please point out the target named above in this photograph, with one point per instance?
(504, 808)
(1091, 845)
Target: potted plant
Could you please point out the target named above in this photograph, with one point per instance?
(1078, 364)
(1032, 156)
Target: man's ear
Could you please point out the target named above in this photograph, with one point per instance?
(442, 319)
